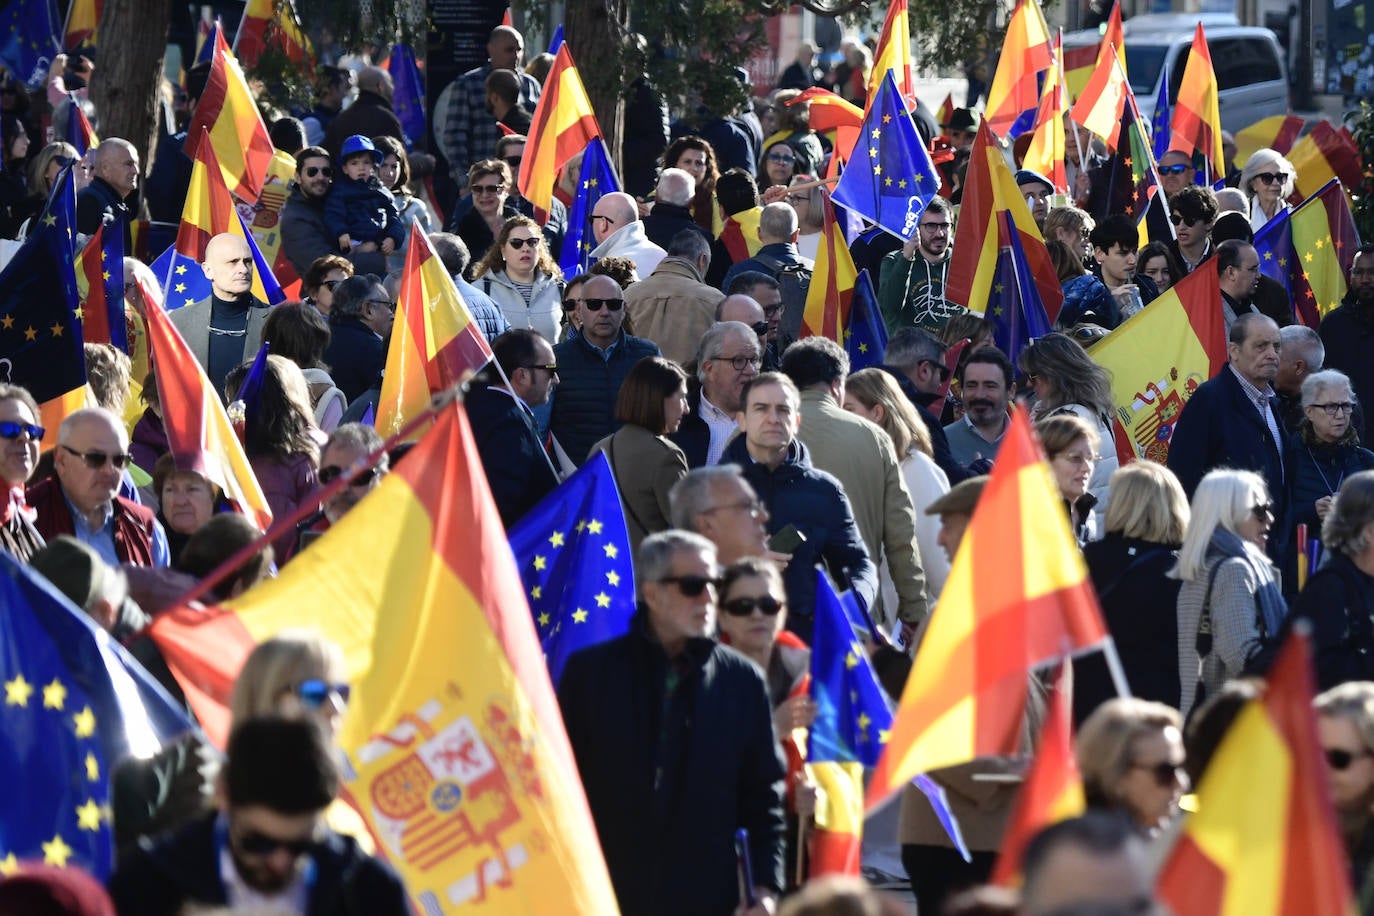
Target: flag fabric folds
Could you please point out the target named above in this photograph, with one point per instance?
(435, 342)
(1279, 260)
(1014, 307)
(832, 283)
(1079, 64)
(1025, 52)
(573, 553)
(83, 16)
(79, 132)
(891, 179)
(1264, 840)
(454, 748)
(1308, 248)
(227, 119)
(893, 53)
(1196, 123)
(28, 40)
(596, 179)
(74, 703)
(1133, 179)
(865, 334)
(829, 112)
(1277, 133)
(268, 23)
(1100, 106)
(408, 99)
(1157, 358)
(101, 267)
(850, 729)
(1045, 154)
(1322, 155)
(1159, 120)
(1017, 595)
(562, 126)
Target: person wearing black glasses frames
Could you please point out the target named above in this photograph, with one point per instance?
(20, 436)
(1130, 752)
(1267, 180)
(1345, 729)
(1193, 210)
(673, 735)
(83, 500)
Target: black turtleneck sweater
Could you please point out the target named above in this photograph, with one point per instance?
(228, 334)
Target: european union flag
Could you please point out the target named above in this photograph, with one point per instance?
(40, 329)
(889, 178)
(573, 552)
(852, 713)
(183, 280)
(597, 178)
(1014, 306)
(557, 41)
(74, 703)
(1159, 121)
(1278, 256)
(28, 39)
(408, 100)
(865, 336)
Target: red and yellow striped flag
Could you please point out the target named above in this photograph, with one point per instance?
(455, 750)
(83, 16)
(1046, 151)
(267, 22)
(235, 128)
(1196, 122)
(1277, 133)
(1100, 106)
(1025, 52)
(1017, 595)
(832, 283)
(434, 341)
(1264, 840)
(562, 126)
(1322, 155)
(894, 53)
(1079, 63)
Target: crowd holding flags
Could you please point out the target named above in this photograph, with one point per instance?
(1195, 127)
(1025, 52)
(596, 179)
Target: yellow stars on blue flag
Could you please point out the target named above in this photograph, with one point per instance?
(865, 334)
(596, 179)
(851, 708)
(18, 691)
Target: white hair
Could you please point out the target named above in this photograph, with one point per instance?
(676, 187)
(1224, 499)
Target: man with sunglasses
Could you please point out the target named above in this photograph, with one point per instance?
(1193, 211)
(592, 365)
(83, 500)
(268, 847)
(1175, 172)
(916, 359)
(672, 306)
(304, 237)
(619, 232)
(673, 736)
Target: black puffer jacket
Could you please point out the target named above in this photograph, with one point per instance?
(588, 385)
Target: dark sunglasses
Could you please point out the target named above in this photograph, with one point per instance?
(771, 310)
(551, 368)
(691, 586)
(760, 328)
(260, 844)
(314, 692)
(517, 244)
(1164, 772)
(331, 473)
(1174, 169)
(940, 368)
(1179, 219)
(1262, 511)
(96, 460)
(774, 157)
(1339, 759)
(310, 171)
(594, 305)
(1272, 177)
(488, 188)
(743, 607)
(11, 430)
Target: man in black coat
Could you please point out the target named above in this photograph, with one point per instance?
(513, 456)
(359, 322)
(109, 199)
(370, 115)
(671, 211)
(1348, 330)
(673, 737)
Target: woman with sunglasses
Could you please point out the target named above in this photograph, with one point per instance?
(20, 436)
(1345, 728)
(1230, 608)
(489, 185)
(779, 165)
(1267, 179)
(43, 169)
(521, 277)
(325, 273)
(1130, 752)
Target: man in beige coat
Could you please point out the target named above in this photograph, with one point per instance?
(672, 307)
(860, 454)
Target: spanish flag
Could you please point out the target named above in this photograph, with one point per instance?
(267, 22)
(1025, 52)
(235, 128)
(1264, 840)
(435, 342)
(83, 16)
(1103, 100)
(1158, 358)
(832, 283)
(830, 112)
(454, 747)
(1079, 63)
(1052, 791)
(1196, 124)
(1017, 595)
(100, 283)
(894, 53)
(562, 126)
(1046, 151)
(1322, 155)
(1277, 133)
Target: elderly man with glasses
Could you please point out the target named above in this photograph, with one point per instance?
(359, 323)
(83, 499)
(727, 358)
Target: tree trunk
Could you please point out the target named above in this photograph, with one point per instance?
(597, 32)
(128, 75)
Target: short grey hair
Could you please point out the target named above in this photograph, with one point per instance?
(910, 347)
(778, 221)
(357, 436)
(1317, 382)
(1351, 512)
(691, 495)
(713, 342)
(655, 559)
(676, 187)
(1233, 200)
(91, 415)
(689, 244)
(1301, 342)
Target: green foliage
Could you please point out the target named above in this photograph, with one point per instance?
(953, 35)
(1363, 129)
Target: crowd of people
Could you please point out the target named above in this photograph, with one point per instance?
(745, 455)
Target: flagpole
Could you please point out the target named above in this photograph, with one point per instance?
(1114, 666)
(806, 186)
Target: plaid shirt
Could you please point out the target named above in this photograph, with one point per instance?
(471, 133)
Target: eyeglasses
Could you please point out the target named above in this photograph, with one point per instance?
(595, 305)
(488, 188)
(11, 430)
(1164, 772)
(260, 844)
(778, 157)
(330, 473)
(1335, 408)
(310, 171)
(935, 228)
(551, 368)
(771, 310)
(752, 506)
(739, 362)
(96, 460)
(517, 244)
(1175, 169)
(760, 328)
(314, 692)
(743, 607)
(798, 198)
(1340, 759)
(1272, 177)
(1179, 219)
(940, 368)
(1262, 511)
(608, 219)
(1078, 458)
(691, 586)
(384, 303)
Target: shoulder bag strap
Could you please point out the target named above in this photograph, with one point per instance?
(610, 453)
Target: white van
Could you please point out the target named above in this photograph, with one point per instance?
(1251, 81)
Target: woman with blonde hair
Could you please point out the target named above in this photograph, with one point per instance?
(521, 277)
(1267, 179)
(810, 206)
(874, 395)
(1071, 445)
(1345, 728)
(1130, 752)
(1230, 609)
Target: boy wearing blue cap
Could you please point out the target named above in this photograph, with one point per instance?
(358, 210)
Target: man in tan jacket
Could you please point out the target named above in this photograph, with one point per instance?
(672, 306)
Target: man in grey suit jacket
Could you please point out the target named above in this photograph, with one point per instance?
(225, 329)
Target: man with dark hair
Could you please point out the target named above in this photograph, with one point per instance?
(500, 410)
(1193, 211)
(503, 101)
(1238, 274)
(798, 496)
(861, 457)
(767, 292)
(370, 115)
(167, 184)
(727, 358)
(1114, 240)
(1270, 297)
(454, 255)
(288, 135)
(987, 386)
(916, 359)
(470, 133)
(738, 196)
(268, 847)
(1348, 329)
(911, 283)
(336, 85)
(672, 306)
(1093, 863)
(304, 238)
(359, 322)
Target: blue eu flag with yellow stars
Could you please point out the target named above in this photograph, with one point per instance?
(573, 551)
(596, 179)
(852, 713)
(890, 177)
(1014, 306)
(865, 335)
(28, 39)
(74, 702)
(408, 99)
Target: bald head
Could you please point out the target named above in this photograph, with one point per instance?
(741, 308)
(505, 48)
(228, 265)
(613, 211)
(116, 163)
(85, 436)
(375, 80)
